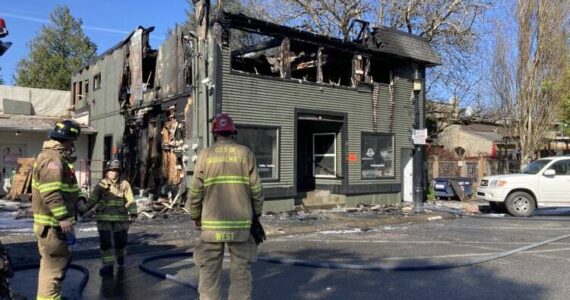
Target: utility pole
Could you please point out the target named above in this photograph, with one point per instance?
(419, 140)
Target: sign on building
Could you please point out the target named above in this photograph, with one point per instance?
(419, 136)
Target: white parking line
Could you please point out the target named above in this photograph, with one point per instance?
(509, 228)
(406, 242)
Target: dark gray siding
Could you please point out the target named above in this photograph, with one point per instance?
(255, 100)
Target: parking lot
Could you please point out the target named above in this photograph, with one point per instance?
(539, 273)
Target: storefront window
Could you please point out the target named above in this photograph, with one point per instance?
(377, 155)
(263, 141)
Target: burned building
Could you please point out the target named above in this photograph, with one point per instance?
(328, 120)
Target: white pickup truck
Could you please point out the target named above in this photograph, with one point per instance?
(543, 183)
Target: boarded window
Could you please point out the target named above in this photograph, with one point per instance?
(377, 153)
(264, 142)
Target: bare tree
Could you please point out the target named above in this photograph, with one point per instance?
(529, 82)
(451, 26)
(327, 17)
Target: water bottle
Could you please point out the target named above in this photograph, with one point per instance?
(70, 238)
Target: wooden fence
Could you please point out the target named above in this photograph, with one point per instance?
(474, 168)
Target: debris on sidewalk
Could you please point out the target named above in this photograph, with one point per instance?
(435, 218)
(471, 208)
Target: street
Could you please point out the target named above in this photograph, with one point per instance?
(539, 273)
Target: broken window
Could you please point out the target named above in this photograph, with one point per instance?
(263, 141)
(380, 71)
(377, 155)
(304, 61)
(149, 65)
(86, 93)
(79, 91)
(74, 93)
(337, 67)
(97, 81)
(255, 53)
(107, 148)
(324, 155)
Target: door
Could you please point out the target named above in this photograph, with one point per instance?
(554, 189)
(407, 175)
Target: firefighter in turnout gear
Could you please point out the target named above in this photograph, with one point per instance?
(226, 193)
(54, 197)
(115, 208)
(6, 272)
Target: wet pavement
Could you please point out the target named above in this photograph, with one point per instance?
(539, 273)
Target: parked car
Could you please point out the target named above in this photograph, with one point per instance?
(543, 183)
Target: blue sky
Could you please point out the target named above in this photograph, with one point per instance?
(105, 22)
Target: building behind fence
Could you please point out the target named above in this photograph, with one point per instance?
(473, 167)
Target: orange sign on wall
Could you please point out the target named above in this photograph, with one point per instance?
(352, 157)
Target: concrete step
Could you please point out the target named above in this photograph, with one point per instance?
(323, 199)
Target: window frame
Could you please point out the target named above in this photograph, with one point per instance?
(240, 126)
(97, 81)
(107, 148)
(363, 134)
(566, 161)
(334, 155)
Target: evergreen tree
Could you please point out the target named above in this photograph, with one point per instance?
(60, 49)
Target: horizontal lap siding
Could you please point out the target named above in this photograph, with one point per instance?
(262, 101)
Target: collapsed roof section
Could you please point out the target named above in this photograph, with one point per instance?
(390, 42)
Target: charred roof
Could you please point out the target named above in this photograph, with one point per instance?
(381, 40)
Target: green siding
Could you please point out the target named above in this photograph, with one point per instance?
(257, 100)
(104, 104)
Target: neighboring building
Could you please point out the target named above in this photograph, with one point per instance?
(26, 116)
(329, 121)
(477, 139)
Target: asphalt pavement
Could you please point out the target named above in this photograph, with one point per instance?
(539, 273)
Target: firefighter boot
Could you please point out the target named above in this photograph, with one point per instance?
(106, 271)
(120, 261)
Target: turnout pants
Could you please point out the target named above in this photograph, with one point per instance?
(209, 257)
(55, 257)
(113, 241)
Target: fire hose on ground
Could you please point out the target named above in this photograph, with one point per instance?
(318, 264)
(345, 266)
(82, 269)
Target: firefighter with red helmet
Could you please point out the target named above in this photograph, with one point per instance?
(54, 196)
(225, 197)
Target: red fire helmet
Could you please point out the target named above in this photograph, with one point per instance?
(223, 123)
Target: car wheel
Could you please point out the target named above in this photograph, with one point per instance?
(520, 204)
(498, 207)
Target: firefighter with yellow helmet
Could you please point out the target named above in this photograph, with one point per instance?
(54, 197)
(225, 198)
(115, 209)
